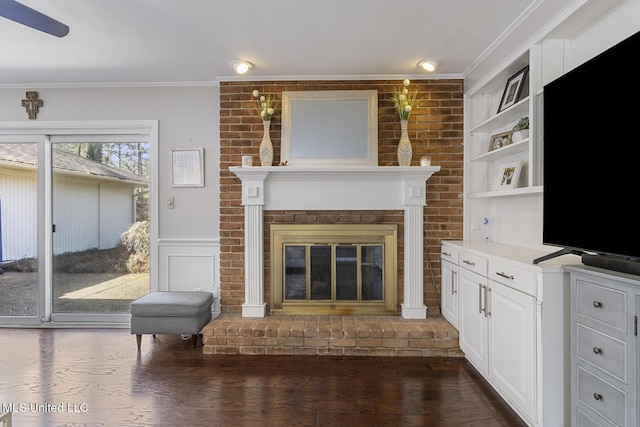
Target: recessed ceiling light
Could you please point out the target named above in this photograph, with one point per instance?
(428, 64)
(241, 67)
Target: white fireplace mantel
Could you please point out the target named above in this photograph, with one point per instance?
(335, 188)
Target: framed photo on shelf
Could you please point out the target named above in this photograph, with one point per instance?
(509, 174)
(513, 89)
(499, 140)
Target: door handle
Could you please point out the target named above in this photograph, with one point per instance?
(453, 282)
(487, 299)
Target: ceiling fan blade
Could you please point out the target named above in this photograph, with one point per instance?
(24, 15)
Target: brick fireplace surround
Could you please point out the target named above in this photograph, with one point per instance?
(435, 129)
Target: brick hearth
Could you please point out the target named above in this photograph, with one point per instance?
(393, 336)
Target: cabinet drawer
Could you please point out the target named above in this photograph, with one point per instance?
(473, 263)
(604, 305)
(603, 351)
(513, 277)
(586, 420)
(449, 253)
(603, 398)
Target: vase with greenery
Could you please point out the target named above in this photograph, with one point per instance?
(266, 108)
(404, 102)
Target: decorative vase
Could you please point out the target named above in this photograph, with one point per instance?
(519, 135)
(266, 147)
(405, 151)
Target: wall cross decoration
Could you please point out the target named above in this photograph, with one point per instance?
(31, 104)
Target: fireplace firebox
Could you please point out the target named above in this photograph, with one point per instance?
(334, 269)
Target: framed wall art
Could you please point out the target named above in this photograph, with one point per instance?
(499, 140)
(513, 89)
(187, 167)
(509, 175)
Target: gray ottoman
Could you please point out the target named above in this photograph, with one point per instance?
(184, 313)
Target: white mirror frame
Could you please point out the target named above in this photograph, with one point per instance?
(331, 128)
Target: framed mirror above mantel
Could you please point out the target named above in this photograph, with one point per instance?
(330, 128)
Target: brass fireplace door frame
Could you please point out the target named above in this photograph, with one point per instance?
(339, 234)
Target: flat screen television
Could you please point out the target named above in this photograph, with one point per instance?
(591, 160)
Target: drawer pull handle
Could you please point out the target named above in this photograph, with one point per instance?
(597, 350)
(468, 262)
(446, 253)
(597, 396)
(506, 276)
(597, 304)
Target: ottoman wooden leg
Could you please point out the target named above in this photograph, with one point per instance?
(138, 340)
(194, 340)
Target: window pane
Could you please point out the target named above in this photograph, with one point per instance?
(320, 272)
(346, 273)
(18, 229)
(295, 272)
(100, 205)
(371, 273)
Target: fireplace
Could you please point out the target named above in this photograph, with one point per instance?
(334, 269)
(291, 188)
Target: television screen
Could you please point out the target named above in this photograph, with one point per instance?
(592, 155)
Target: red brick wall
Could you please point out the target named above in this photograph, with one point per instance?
(435, 129)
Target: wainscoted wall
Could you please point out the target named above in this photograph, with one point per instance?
(187, 265)
(435, 129)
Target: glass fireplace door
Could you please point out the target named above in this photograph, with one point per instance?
(333, 269)
(333, 272)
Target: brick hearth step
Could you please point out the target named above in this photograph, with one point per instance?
(230, 333)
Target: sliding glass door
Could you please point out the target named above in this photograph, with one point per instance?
(75, 221)
(19, 289)
(100, 226)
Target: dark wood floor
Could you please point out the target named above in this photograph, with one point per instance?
(97, 378)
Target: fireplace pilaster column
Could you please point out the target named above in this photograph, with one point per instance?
(414, 199)
(253, 201)
(254, 305)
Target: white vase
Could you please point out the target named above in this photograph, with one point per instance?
(405, 151)
(266, 147)
(519, 135)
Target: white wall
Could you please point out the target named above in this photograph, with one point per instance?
(188, 117)
(622, 22)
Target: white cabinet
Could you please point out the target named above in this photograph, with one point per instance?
(604, 340)
(449, 287)
(512, 326)
(472, 321)
(637, 363)
(497, 332)
(512, 344)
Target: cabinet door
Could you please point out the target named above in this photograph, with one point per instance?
(449, 304)
(472, 322)
(636, 348)
(512, 337)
